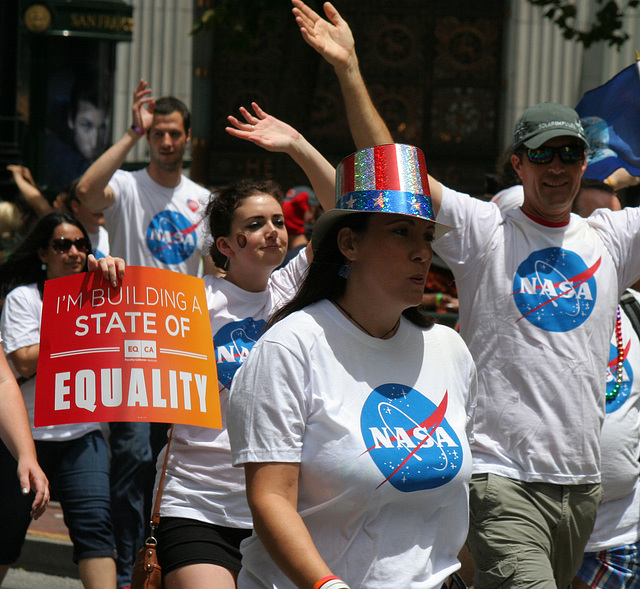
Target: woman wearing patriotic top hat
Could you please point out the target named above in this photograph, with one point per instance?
(352, 413)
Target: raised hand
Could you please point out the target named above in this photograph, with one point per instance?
(332, 39)
(264, 130)
(621, 178)
(143, 106)
(23, 172)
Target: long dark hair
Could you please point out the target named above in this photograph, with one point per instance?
(24, 266)
(323, 280)
(223, 204)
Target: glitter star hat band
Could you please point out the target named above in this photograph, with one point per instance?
(383, 179)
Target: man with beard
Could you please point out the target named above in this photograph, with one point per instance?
(153, 217)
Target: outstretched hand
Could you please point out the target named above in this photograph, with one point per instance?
(330, 38)
(143, 106)
(112, 268)
(264, 130)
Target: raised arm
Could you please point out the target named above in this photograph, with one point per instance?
(333, 40)
(15, 432)
(93, 188)
(27, 187)
(274, 135)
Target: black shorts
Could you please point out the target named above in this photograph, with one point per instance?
(183, 541)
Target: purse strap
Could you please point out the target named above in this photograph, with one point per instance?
(155, 516)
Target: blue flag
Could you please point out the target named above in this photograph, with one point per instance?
(610, 115)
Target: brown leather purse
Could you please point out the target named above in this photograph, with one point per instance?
(147, 573)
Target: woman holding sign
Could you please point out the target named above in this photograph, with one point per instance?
(351, 413)
(204, 512)
(73, 456)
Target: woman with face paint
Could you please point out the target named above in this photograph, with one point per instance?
(204, 514)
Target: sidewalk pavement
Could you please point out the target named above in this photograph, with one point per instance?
(47, 548)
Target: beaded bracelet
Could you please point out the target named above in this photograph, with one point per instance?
(137, 129)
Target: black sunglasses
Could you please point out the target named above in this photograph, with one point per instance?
(62, 245)
(569, 154)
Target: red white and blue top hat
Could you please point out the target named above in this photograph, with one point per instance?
(382, 179)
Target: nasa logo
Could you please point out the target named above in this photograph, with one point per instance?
(555, 290)
(627, 378)
(409, 439)
(232, 344)
(171, 238)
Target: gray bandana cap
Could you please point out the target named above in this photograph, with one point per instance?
(545, 121)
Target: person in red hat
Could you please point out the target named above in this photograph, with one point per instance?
(301, 210)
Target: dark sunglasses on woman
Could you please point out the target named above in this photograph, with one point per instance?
(62, 245)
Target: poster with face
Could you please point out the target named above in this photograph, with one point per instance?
(79, 92)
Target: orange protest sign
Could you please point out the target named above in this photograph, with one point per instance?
(140, 352)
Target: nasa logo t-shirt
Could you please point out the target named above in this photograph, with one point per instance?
(409, 438)
(171, 238)
(151, 225)
(555, 290)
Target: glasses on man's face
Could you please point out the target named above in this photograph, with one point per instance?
(569, 154)
(62, 245)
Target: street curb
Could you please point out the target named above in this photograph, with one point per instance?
(52, 556)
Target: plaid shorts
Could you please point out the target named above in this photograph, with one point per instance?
(617, 568)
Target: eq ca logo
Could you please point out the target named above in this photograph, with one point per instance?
(140, 349)
(612, 373)
(171, 238)
(409, 439)
(233, 342)
(555, 290)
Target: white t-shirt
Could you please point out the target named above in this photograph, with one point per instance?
(618, 520)
(150, 225)
(200, 482)
(100, 243)
(20, 326)
(379, 428)
(537, 309)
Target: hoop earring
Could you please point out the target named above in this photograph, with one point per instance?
(225, 266)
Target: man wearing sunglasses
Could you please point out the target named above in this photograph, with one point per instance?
(538, 290)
